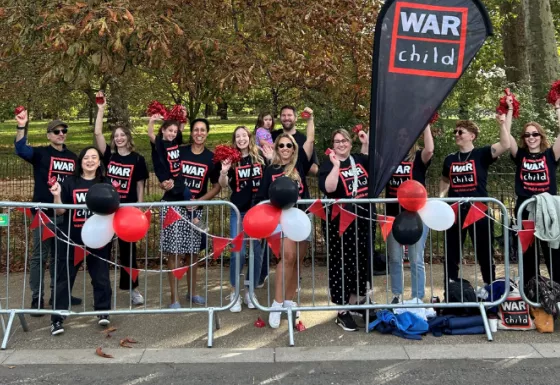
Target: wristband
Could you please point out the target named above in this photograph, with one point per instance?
(23, 128)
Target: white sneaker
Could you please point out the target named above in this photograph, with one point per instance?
(251, 304)
(275, 316)
(136, 298)
(236, 308)
(288, 303)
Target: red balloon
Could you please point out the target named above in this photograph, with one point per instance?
(261, 220)
(130, 224)
(412, 195)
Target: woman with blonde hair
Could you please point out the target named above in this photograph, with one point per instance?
(413, 167)
(286, 163)
(244, 179)
(536, 163)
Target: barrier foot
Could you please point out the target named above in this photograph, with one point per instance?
(486, 323)
(210, 327)
(291, 326)
(23, 322)
(8, 330)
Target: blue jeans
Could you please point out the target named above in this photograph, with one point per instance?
(417, 270)
(257, 252)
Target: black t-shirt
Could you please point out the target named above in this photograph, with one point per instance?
(167, 165)
(73, 191)
(468, 172)
(198, 169)
(345, 184)
(244, 181)
(48, 162)
(273, 172)
(406, 170)
(300, 140)
(126, 171)
(535, 173)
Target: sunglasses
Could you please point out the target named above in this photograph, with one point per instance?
(57, 131)
(533, 134)
(287, 145)
(460, 132)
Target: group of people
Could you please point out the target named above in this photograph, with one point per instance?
(187, 172)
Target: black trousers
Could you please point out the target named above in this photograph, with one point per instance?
(127, 258)
(66, 276)
(482, 236)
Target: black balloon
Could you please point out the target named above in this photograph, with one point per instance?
(283, 193)
(408, 228)
(102, 199)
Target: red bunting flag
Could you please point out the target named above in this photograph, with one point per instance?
(219, 244)
(79, 254)
(47, 233)
(26, 211)
(40, 217)
(346, 218)
(132, 272)
(275, 243)
(455, 208)
(237, 243)
(148, 215)
(171, 217)
(180, 272)
(476, 213)
(335, 211)
(526, 238)
(318, 210)
(386, 225)
(528, 225)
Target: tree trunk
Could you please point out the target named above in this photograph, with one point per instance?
(117, 102)
(208, 110)
(223, 110)
(542, 50)
(514, 42)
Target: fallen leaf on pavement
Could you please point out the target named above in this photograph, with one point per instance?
(100, 353)
(126, 341)
(109, 330)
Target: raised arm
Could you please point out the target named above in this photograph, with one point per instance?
(100, 142)
(364, 140)
(309, 142)
(503, 145)
(151, 124)
(513, 148)
(224, 180)
(331, 182)
(23, 150)
(429, 147)
(556, 146)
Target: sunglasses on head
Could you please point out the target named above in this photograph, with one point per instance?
(533, 134)
(287, 145)
(57, 131)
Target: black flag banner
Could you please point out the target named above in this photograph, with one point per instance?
(421, 49)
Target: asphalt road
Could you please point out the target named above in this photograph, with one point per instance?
(509, 371)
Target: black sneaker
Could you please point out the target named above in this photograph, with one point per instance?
(396, 300)
(103, 320)
(73, 300)
(346, 322)
(57, 328)
(36, 305)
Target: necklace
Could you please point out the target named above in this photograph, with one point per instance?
(468, 156)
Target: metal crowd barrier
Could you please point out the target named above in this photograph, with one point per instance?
(308, 298)
(152, 275)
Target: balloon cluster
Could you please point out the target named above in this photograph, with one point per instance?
(262, 220)
(129, 223)
(408, 226)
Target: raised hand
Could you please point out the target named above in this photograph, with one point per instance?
(55, 189)
(334, 160)
(268, 152)
(22, 118)
(100, 96)
(155, 118)
(364, 137)
(226, 165)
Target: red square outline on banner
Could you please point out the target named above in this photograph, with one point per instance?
(462, 41)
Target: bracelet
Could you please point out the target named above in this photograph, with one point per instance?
(23, 128)
(510, 109)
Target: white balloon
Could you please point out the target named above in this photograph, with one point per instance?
(98, 231)
(437, 215)
(295, 224)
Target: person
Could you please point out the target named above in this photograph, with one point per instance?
(345, 176)
(89, 171)
(414, 167)
(244, 179)
(127, 170)
(465, 175)
(54, 160)
(263, 128)
(536, 163)
(289, 161)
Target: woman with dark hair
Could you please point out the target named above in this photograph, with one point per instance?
(344, 176)
(263, 129)
(127, 170)
(536, 163)
(89, 171)
(465, 175)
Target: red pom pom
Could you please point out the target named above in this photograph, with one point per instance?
(156, 108)
(357, 128)
(178, 113)
(554, 93)
(19, 110)
(223, 152)
(502, 108)
(305, 115)
(434, 118)
(99, 100)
